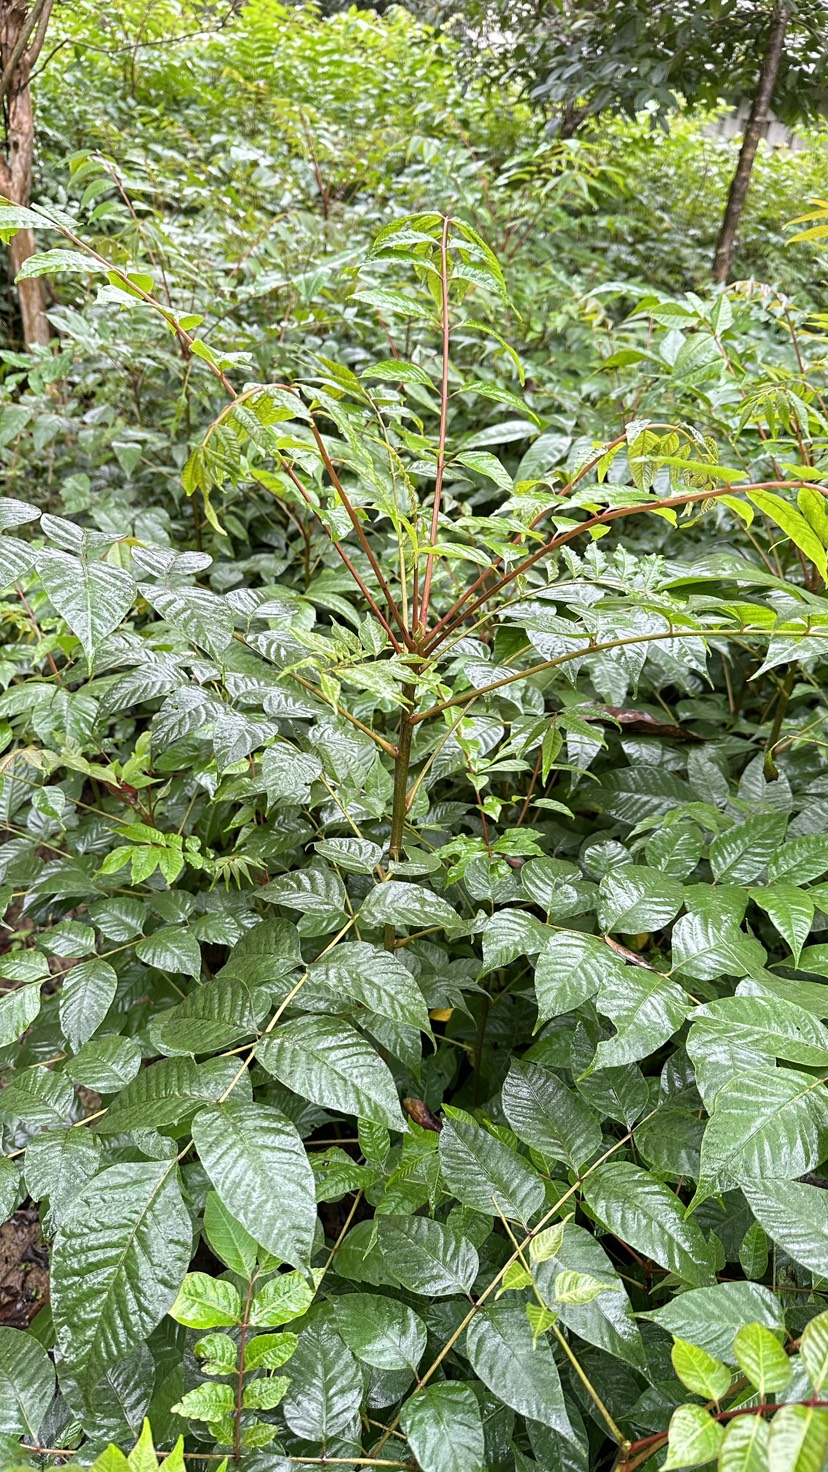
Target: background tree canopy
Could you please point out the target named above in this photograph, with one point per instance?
(413, 779)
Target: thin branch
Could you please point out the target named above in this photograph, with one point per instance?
(387, 746)
(372, 604)
(677, 632)
(649, 1445)
(496, 562)
(613, 514)
(40, 34)
(422, 617)
(20, 46)
(357, 526)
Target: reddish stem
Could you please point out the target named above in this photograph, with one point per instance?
(651, 1444)
(372, 604)
(601, 519)
(365, 544)
(495, 564)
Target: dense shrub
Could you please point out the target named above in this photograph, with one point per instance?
(413, 1010)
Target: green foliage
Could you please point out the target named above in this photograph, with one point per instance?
(414, 1014)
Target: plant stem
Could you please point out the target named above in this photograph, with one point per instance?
(237, 1426)
(422, 619)
(401, 768)
(496, 562)
(590, 648)
(602, 518)
(770, 769)
(399, 804)
(363, 540)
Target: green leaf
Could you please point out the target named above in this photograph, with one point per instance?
(268, 1351)
(281, 1300)
(753, 1252)
(227, 1237)
(93, 597)
(669, 1142)
(14, 217)
(427, 1257)
(312, 891)
(10, 1184)
(800, 859)
(502, 1354)
(745, 1445)
(401, 904)
(634, 898)
(58, 1164)
(381, 1331)
(607, 1320)
(793, 524)
(766, 1125)
(16, 557)
(509, 934)
(740, 855)
(484, 1173)
(636, 1207)
(244, 1148)
(208, 1402)
(325, 1387)
(142, 1458)
(166, 1093)
(111, 1459)
(27, 1384)
(214, 1015)
(375, 979)
(695, 1438)
(573, 1287)
(288, 774)
(547, 1244)
(791, 911)
(265, 1394)
(202, 616)
(219, 1353)
(206, 1303)
(704, 949)
(699, 1371)
(488, 465)
(571, 969)
(761, 1357)
(105, 1064)
(711, 1317)
(813, 1349)
(798, 1440)
(171, 949)
(54, 262)
(323, 1059)
(117, 1263)
(646, 1008)
(38, 1097)
(444, 1430)
(86, 996)
(764, 1025)
(18, 1010)
(548, 1116)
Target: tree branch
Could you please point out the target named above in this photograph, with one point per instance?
(20, 44)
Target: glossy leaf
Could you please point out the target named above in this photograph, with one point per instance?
(117, 1262)
(244, 1148)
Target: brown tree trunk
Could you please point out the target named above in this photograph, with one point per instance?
(17, 23)
(760, 109)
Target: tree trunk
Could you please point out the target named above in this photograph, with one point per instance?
(16, 24)
(759, 112)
